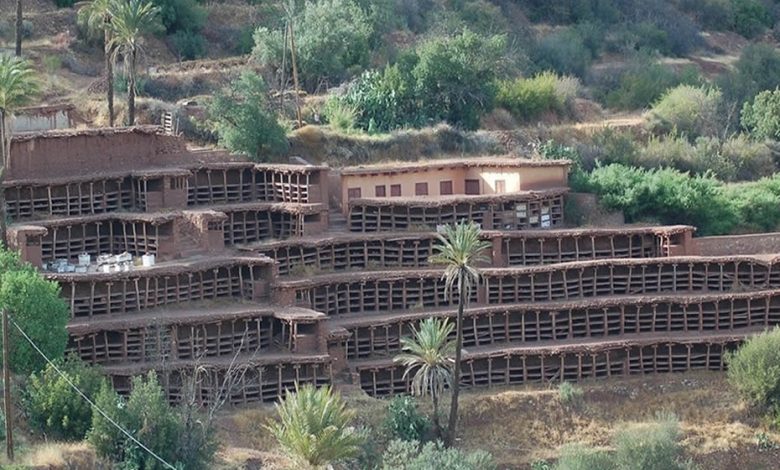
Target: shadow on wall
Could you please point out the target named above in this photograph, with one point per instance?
(322, 145)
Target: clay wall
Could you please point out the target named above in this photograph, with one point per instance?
(758, 243)
(76, 153)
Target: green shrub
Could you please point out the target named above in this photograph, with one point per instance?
(340, 115)
(564, 52)
(754, 369)
(751, 17)
(711, 14)
(64, 3)
(188, 45)
(689, 110)
(580, 457)
(652, 446)
(407, 455)
(758, 209)
(667, 151)
(528, 98)
(241, 117)
(751, 160)
(53, 408)
(614, 146)
(181, 15)
(331, 39)
(756, 70)
(404, 421)
(641, 83)
(569, 394)
(762, 116)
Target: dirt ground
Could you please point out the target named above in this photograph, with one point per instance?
(521, 425)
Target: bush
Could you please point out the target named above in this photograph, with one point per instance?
(53, 407)
(580, 457)
(241, 117)
(181, 15)
(331, 40)
(340, 115)
(64, 3)
(528, 98)
(751, 17)
(668, 151)
(689, 110)
(649, 446)
(754, 369)
(762, 117)
(563, 52)
(756, 70)
(751, 160)
(188, 45)
(711, 14)
(403, 421)
(570, 395)
(407, 455)
(756, 207)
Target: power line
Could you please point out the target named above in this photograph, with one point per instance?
(85, 397)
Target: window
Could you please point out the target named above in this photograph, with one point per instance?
(500, 186)
(445, 188)
(472, 186)
(395, 190)
(421, 189)
(379, 191)
(353, 193)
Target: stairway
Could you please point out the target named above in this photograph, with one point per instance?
(337, 222)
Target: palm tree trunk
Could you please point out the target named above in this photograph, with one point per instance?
(453, 421)
(436, 423)
(5, 156)
(109, 71)
(131, 90)
(18, 28)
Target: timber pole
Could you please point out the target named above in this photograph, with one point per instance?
(9, 417)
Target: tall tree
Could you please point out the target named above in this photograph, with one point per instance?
(18, 87)
(19, 28)
(96, 17)
(460, 250)
(428, 355)
(130, 20)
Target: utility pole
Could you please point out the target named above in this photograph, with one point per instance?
(9, 416)
(295, 76)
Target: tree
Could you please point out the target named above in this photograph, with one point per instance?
(96, 18)
(460, 249)
(130, 20)
(331, 43)
(18, 87)
(762, 116)
(147, 414)
(244, 122)
(51, 404)
(428, 357)
(314, 426)
(754, 369)
(689, 110)
(19, 24)
(35, 305)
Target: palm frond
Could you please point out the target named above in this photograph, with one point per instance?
(427, 356)
(460, 249)
(19, 83)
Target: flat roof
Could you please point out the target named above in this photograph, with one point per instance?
(406, 167)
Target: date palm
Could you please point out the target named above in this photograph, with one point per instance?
(460, 249)
(130, 21)
(18, 87)
(96, 18)
(314, 427)
(19, 28)
(428, 356)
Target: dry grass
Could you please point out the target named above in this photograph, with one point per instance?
(62, 456)
(520, 425)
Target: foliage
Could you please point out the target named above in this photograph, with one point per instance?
(427, 357)
(666, 195)
(762, 116)
(641, 83)
(35, 305)
(188, 44)
(751, 17)
(331, 43)
(181, 15)
(404, 421)
(754, 369)
(652, 446)
(528, 98)
(569, 394)
(756, 70)
(689, 110)
(64, 3)
(241, 117)
(313, 426)
(552, 150)
(147, 414)
(580, 457)
(53, 407)
(564, 52)
(711, 14)
(340, 115)
(407, 455)
(18, 82)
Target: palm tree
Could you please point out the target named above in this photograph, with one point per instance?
(130, 20)
(96, 17)
(18, 87)
(428, 354)
(19, 24)
(460, 249)
(314, 427)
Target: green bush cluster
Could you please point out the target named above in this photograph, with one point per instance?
(528, 98)
(570, 394)
(409, 455)
(693, 111)
(754, 369)
(404, 421)
(761, 117)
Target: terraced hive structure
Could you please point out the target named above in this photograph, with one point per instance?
(301, 273)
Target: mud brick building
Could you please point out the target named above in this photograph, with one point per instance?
(302, 273)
